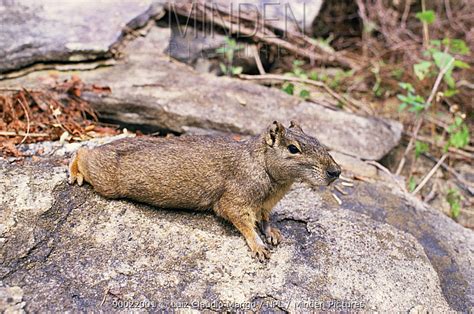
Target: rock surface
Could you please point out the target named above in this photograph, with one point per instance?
(78, 31)
(148, 89)
(43, 31)
(67, 247)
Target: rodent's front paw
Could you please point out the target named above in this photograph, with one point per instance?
(273, 236)
(261, 252)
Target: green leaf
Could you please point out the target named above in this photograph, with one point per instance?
(314, 76)
(427, 53)
(221, 49)
(428, 16)
(288, 88)
(422, 69)
(406, 86)
(448, 78)
(450, 92)
(435, 43)
(455, 210)
(460, 138)
(304, 76)
(231, 42)
(236, 70)
(403, 98)
(402, 106)
(411, 184)
(454, 200)
(442, 60)
(304, 94)
(397, 73)
(298, 63)
(415, 107)
(457, 46)
(420, 148)
(223, 68)
(460, 64)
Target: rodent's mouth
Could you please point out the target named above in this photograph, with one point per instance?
(330, 180)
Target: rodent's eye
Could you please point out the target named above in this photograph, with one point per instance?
(293, 149)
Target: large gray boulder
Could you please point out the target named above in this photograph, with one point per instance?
(70, 31)
(66, 247)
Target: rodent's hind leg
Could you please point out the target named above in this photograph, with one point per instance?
(272, 234)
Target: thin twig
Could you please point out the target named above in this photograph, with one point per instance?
(21, 133)
(105, 296)
(426, 35)
(384, 169)
(27, 121)
(430, 174)
(406, 12)
(463, 183)
(258, 61)
(431, 195)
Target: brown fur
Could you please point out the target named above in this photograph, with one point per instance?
(240, 181)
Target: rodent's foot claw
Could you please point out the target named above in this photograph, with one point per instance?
(71, 180)
(80, 179)
(261, 253)
(273, 236)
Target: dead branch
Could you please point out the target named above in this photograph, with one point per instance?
(21, 133)
(27, 121)
(256, 55)
(430, 174)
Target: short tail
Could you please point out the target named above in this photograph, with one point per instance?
(74, 174)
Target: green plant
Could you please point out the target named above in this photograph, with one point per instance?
(411, 99)
(454, 199)
(333, 81)
(427, 16)
(297, 71)
(228, 50)
(420, 148)
(458, 134)
(411, 184)
(440, 58)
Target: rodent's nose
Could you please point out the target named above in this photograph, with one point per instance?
(333, 173)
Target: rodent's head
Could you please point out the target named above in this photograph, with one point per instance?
(293, 155)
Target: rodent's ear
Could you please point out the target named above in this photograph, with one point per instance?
(296, 126)
(274, 133)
